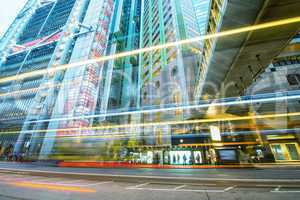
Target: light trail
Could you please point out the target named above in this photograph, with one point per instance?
(53, 187)
(217, 104)
(219, 144)
(167, 123)
(128, 135)
(198, 144)
(249, 101)
(153, 48)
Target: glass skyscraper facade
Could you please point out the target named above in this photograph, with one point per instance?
(202, 10)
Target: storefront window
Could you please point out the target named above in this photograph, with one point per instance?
(198, 157)
(292, 149)
(180, 157)
(278, 153)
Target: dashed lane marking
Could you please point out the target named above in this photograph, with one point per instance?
(179, 187)
(139, 185)
(142, 187)
(230, 188)
(172, 190)
(286, 191)
(277, 189)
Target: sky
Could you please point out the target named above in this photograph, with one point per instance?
(8, 11)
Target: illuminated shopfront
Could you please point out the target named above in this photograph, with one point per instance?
(286, 151)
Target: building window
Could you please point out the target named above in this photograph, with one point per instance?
(293, 79)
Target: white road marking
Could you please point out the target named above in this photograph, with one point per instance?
(286, 191)
(230, 188)
(179, 187)
(276, 189)
(139, 185)
(215, 191)
(172, 190)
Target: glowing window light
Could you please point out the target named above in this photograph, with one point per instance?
(215, 133)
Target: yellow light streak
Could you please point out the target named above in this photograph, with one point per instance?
(53, 187)
(219, 144)
(153, 48)
(167, 123)
(111, 135)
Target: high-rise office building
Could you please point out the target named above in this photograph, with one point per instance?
(163, 70)
(167, 75)
(202, 10)
(32, 43)
(123, 73)
(45, 35)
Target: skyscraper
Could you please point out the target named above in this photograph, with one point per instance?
(30, 44)
(162, 22)
(122, 89)
(202, 10)
(47, 34)
(42, 109)
(167, 75)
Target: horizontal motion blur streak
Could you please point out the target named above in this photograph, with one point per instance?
(182, 122)
(230, 103)
(153, 48)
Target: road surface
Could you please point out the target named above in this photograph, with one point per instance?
(19, 182)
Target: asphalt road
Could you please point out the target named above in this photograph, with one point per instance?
(26, 187)
(278, 173)
(26, 182)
